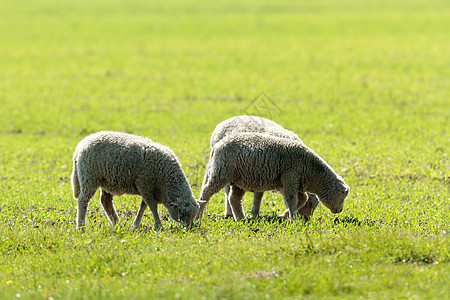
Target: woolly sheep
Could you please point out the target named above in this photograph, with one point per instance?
(260, 162)
(246, 123)
(121, 163)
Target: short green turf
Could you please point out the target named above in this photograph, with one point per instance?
(363, 83)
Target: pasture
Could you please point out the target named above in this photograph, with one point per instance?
(363, 83)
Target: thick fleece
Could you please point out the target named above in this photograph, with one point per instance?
(121, 163)
(245, 123)
(260, 162)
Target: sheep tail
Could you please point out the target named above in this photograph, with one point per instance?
(75, 182)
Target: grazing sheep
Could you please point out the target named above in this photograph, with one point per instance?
(121, 163)
(246, 123)
(259, 162)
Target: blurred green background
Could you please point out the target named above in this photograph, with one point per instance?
(363, 83)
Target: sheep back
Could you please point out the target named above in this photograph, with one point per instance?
(246, 123)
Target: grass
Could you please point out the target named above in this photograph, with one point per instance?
(363, 83)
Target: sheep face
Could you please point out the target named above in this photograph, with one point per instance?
(334, 199)
(185, 213)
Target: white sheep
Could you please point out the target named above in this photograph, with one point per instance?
(246, 123)
(121, 163)
(260, 162)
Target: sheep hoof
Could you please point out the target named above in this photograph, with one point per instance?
(284, 216)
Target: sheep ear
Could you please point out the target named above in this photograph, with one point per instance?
(342, 187)
(175, 204)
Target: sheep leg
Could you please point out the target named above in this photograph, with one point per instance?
(228, 210)
(147, 193)
(154, 208)
(257, 197)
(292, 198)
(107, 202)
(235, 199)
(83, 202)
(140, 214)
(301, 209)
(300, 200)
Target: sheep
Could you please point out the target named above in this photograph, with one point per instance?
(250, 124)
(121, 163)
(246, 123)
(260, 162)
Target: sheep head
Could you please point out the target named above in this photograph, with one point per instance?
(184, 211)
(335, 195)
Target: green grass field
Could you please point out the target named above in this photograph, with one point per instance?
(363, 83)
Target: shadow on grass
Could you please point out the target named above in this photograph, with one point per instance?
(271, 218)
(39, 217)
(347, 221)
